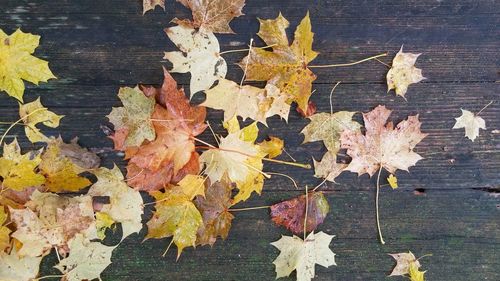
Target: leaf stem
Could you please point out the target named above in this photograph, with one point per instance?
(477, 114)
(17, 122)
(286, 176)
(248, 209)
(348, 64)
(305, 215)
(376, 207)
(244, 50)
(49, 276)
(320, 184)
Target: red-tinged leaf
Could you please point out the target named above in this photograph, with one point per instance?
(291, 213)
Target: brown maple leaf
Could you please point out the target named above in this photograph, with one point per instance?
(172, 154)
(212, 15)
(214, 208)
(286, 65)
(291, 213)
(383, 146)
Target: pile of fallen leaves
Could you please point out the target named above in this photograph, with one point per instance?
(58, 198)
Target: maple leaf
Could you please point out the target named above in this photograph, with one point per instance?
(62, 163)
(382, 146)
(471, 122)
(297, 254)
(403, 262)
(18, 171)
(328, 127)
(328, 168)
(212, 15)
(35, 224)
(291, 213)
(14, 267)
(403, 72)
(286, 65)
(4, 231)
(199, 55)
(17, 63)
(34, 113)
(176, 215)
(134, 116)
(247, 101)
(238, 158)
(148, 5)
(172, 154)
(125, 204)
(86, 261)
(214, 208)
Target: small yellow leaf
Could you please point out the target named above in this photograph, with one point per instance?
(4, 231)
(415, 274)
(272, 147)
(18, 64)
(17, 170)
(103, 221)
(393, 181)
(34, 113)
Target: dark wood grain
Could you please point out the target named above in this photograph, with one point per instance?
(448, 204)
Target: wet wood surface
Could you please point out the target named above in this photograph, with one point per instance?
(447, 205)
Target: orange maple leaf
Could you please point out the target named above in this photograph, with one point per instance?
(172, 154)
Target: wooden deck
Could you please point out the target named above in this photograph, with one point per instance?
(449, 203)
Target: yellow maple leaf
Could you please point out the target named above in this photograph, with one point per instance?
(403, 72)
(17, 63)
(176, 215)
(4, 231)
(17, 170)
(35, 113)
(61, 173)
(286, 65)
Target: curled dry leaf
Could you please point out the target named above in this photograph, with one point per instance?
(199, 55)
(286, 65)
(471, 122)
(35, 113)
(291, 213)
(148, 5)
(86, 261)
(403, 72)
(171, 156)
(214, 209)
(302, 255)
(383, 145)
(247, 101)
(125, 204)
(176, 215)
(212, 15)
(18, 64)
(134, 117)
(14, 267)
(407, 265)
(18, 170)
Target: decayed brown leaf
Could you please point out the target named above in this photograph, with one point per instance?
(403, 72)
(214, 208)
(286, 65)
(212, 15)
(171, 155)
(291, 213)
(382, 145)
(35, 224)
